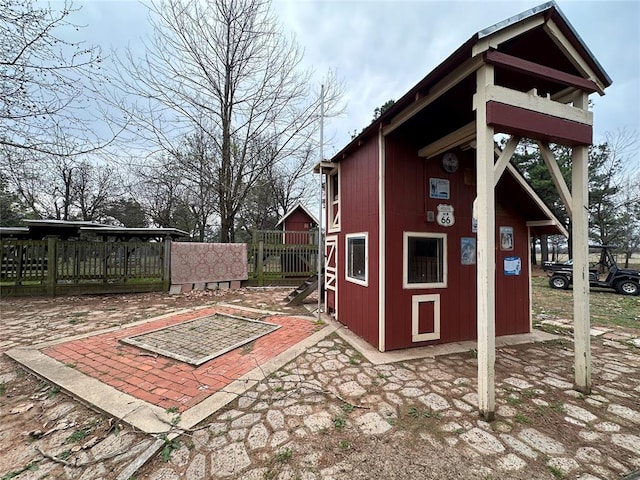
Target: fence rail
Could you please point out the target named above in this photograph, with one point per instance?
(282, 258)
(35, 267)
(280, 237)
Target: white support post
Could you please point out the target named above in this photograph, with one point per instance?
(580, 245)
(486, 248)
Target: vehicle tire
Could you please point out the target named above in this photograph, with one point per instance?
(627, 287)
(559, 282)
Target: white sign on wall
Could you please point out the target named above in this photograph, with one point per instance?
(445, 216)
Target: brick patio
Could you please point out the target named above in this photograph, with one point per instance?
(166, 382)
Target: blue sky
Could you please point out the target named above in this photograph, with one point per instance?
(381, 48)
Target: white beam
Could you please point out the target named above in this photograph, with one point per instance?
(580, 243)
(459, 137)
(486, 249)
(565, 95)
(504, 158)
(435, 92)
(572, 54)
(556, 176)
(541, 205)
(382, 290)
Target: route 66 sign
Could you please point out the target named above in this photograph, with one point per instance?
(445, 216)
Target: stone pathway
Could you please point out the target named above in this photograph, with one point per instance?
(330, 414)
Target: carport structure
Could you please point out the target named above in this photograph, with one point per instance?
(529, 76)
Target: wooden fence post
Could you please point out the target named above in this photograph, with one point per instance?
(52, 265)
(260, 266)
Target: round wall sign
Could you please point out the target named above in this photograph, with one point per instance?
(450, 162)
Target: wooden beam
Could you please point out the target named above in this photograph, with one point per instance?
(580, 244)
(526, 123)
(504, 158)
(532, 102)
(549, 223)
(516, 64)
(324, 167)
(486, 238)
(382, 235)
(572, 54)
(459, 137)
(566, 95)
(556, 176)
(435, 92)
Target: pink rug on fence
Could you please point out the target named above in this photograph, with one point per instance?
(207, 262)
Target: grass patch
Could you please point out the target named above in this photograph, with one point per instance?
(31, 467)
(53, 391)
(415, 413)
(607, 307)
(556, 472)
(513, 401)
(64, 455)
(522, 419)
(78, 435)
(3, 389)
(348, 408)
(339, 423)
(168, 447)
(284, 456)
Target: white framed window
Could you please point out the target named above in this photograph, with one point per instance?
(424, 259)
(357, 264)
(333, 200)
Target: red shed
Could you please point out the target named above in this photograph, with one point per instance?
(298, 221)
(407, 204)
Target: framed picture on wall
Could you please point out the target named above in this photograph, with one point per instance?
(506, 238)
(468, 251)
(439, 188)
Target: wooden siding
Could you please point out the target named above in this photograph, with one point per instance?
(512, 291)
(407, 204)
(297, 221)
(357, 304)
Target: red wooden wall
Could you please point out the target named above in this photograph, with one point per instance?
(357, 304)
(407, 203)
(297, 221)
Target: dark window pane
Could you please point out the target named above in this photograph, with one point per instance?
(424, 260)
(356, 262)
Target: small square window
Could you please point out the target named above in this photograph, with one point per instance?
(357, 258)
(424, 260)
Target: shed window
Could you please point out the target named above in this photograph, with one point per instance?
(357, 258)
(425, 260)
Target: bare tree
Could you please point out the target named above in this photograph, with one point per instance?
(44, 79)
(94, 189)
(611, 196)
(226, 69)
